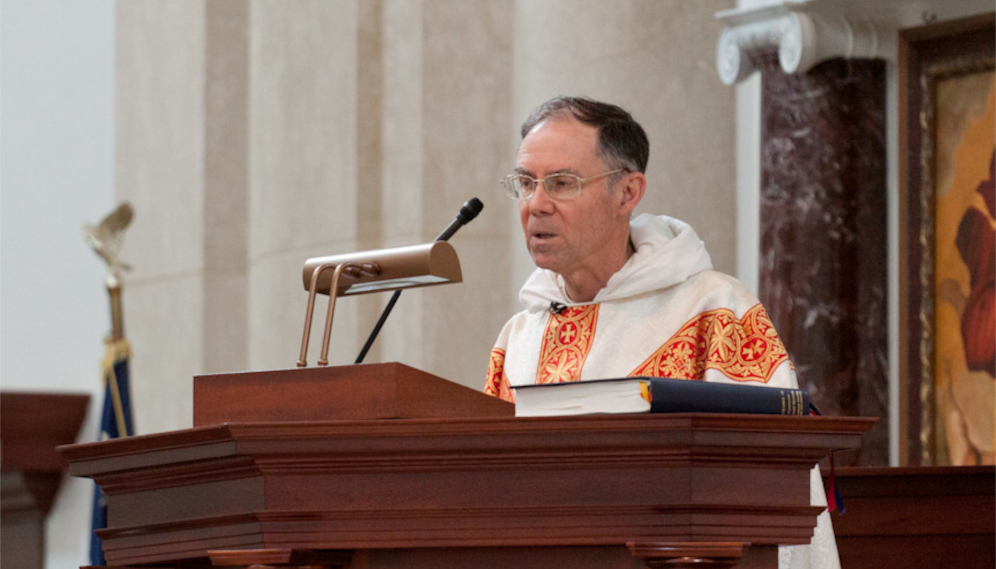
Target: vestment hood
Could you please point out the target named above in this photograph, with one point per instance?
(668, 252)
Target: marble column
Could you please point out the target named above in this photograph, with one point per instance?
(823, 215)
(823, 234)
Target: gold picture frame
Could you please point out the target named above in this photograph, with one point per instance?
(946, 75)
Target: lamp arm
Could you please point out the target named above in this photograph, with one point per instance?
(333, 294)
(312, 291)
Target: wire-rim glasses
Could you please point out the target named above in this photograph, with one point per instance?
(558, 186)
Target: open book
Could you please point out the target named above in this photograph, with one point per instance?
(656, 395)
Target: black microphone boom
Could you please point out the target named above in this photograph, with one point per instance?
(467, 213)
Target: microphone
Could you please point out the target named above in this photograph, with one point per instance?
(467, 213)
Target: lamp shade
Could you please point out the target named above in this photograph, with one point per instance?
(387, 269)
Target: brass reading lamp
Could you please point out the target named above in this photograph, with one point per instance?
(373, 271)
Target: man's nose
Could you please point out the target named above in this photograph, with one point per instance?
(541, 202)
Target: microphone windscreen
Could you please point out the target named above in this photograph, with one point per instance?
(470, 210)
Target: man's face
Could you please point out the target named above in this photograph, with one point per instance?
(577, 236)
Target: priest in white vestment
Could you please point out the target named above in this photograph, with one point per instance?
(614, 296)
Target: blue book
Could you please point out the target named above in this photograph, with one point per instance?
(656, 395)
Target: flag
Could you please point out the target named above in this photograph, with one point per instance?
(115, 421)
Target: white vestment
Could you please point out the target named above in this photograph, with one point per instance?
(665, 313)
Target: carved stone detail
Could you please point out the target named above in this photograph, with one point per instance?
(802, 38)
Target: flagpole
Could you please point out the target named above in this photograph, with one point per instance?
(115, 420)
(117, 313)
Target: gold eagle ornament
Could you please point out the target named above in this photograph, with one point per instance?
(106, 239)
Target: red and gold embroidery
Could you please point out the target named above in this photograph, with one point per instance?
(566, 343)
(496, 384)
(747, 349)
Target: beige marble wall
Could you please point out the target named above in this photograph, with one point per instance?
(226, 186)
(161, 170)
(303, 167)
(464, 107)
(255, 135)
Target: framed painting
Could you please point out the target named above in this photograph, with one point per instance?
(948, 243)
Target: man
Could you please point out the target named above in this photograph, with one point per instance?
(617, 297)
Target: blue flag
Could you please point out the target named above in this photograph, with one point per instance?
(115, 421)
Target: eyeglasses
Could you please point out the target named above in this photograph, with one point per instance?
(558, 186)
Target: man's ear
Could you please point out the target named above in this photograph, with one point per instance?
(632, 192)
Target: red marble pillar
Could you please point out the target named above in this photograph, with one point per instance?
(823, 235)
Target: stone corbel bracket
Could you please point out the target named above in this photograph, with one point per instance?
(803, 34)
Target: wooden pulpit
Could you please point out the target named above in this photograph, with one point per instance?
(381, 465)
(31, 426)
(917, 517)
